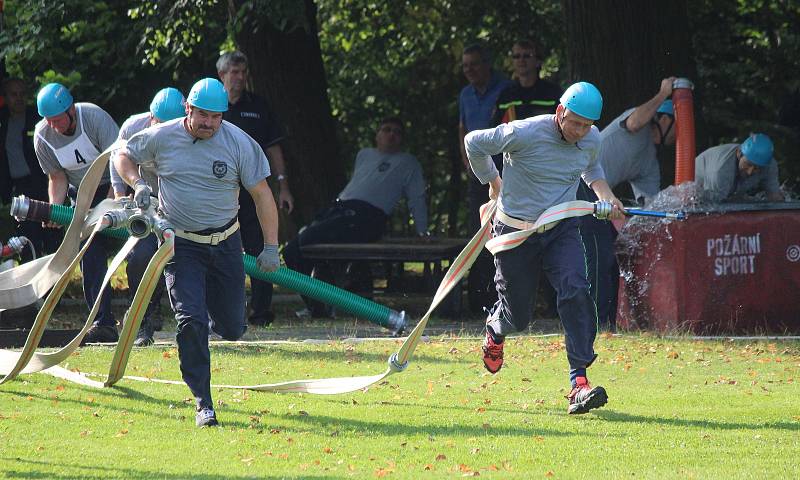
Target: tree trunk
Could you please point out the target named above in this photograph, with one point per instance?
(625, 48)
(286, 68)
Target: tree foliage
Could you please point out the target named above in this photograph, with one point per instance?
(401, 58)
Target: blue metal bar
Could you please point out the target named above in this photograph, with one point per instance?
(650, 213)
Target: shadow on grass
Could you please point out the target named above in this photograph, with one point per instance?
(614, 416)
(94, 471)
(457, 428)
(331, 355)
(167, 409)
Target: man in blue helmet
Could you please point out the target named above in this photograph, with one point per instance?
(544, 159)
(67, 140)
(627, 154)
(733, 171)
(200, 161)
(168, 104)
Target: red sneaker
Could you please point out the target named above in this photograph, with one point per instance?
(583, 397)
(492, 354)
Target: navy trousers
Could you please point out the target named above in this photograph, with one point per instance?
(345, 221)
(205, 282)
(559, 253)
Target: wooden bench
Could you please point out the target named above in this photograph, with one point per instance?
(391, 252)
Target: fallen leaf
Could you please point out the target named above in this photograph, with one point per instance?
(327, 450)
(549, 473)
(440, 457)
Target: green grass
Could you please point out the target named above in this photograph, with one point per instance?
(677, 409)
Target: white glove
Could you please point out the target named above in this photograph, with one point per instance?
(268, 260)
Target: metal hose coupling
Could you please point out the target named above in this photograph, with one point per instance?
(395, 366)
(130, 217)
(140, 224)
(602, 210)
(14, 245)
(19, 207)
(25, 208)
(161, 226)
(397, 322)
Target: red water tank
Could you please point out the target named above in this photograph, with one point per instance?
(734, 270)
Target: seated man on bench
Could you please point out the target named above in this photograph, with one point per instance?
(380, 177)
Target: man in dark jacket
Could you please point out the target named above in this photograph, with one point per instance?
(19, 169)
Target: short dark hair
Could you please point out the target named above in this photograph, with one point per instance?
(231, 58)
(530, 45)
(393, 121)
(479, 49)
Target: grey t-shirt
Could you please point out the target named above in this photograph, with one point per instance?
(199, 179)
(100, 129)
(382, 178)
(17, 166)
(134, 124)
(540, 169)
(716, 171)
(630, 157)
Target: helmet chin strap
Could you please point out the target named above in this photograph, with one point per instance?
(559, 126)
(663, 134)
(72, 124)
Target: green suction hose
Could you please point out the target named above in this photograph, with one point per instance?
(27, 209)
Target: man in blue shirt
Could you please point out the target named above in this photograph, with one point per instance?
(476, 104)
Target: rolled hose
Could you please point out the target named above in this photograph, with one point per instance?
(34, 210)
(685, 150)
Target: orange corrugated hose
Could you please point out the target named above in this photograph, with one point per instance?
(685, 151)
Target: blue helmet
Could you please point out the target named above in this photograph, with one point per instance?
(758, 149)
(168, 104)
(666, 108)
(53, 99)
(209, 94)
(583, 99)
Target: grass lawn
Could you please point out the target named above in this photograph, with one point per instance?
(677, 409)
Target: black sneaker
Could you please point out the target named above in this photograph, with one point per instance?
(144, 338)
(101, 334)
(583, 397)
(261, 320)
(205, 417)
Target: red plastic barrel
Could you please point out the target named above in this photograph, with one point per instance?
(736, 271)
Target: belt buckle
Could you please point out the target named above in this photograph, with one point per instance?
(216, 238)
